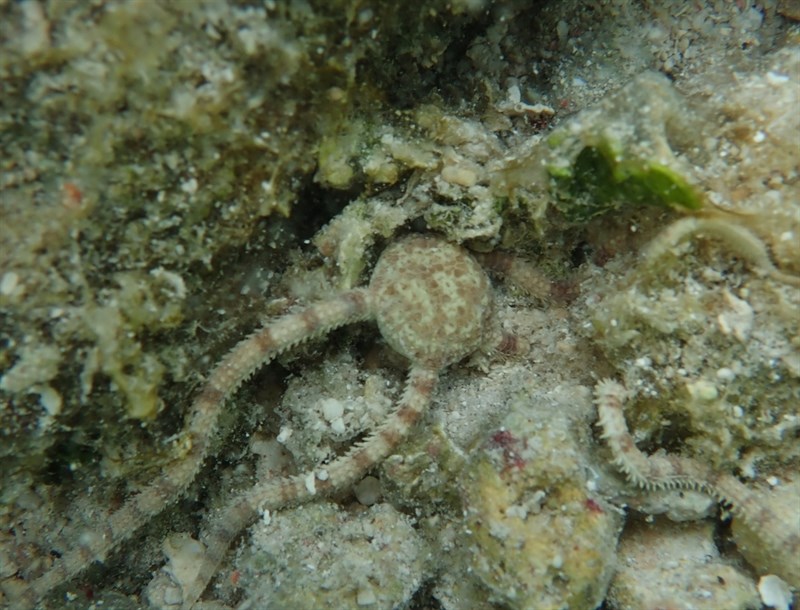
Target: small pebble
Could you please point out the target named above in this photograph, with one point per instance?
(368, 491)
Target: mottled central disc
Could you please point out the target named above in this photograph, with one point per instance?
(432, 300)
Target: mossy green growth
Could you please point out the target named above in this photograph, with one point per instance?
(625, 151)
(599, 182)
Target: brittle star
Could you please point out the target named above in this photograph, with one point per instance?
(432, 302)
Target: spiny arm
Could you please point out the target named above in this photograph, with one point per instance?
(344, 471)
(235, 368)
(677, 472)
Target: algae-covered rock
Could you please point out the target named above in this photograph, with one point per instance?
(783, 498)
(707, 347)
(677, 566)
(535, 534)
(625, 151)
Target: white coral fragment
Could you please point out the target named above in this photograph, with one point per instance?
(738, 319)
(774, 592)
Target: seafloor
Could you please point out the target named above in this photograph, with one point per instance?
(175, 173)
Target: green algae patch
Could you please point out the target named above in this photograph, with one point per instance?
(598, 182)
(626, 151)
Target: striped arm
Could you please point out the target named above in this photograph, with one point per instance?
(521, 273)
(779, 533)
(234, 369)
(344, 471)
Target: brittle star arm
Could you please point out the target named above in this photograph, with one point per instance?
(518, 272)
(669, 471)
(344, 471)
(745, 243)
(241, 362)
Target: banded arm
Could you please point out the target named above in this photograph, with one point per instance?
(778, 532)
(235, 368)
(344, 471)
